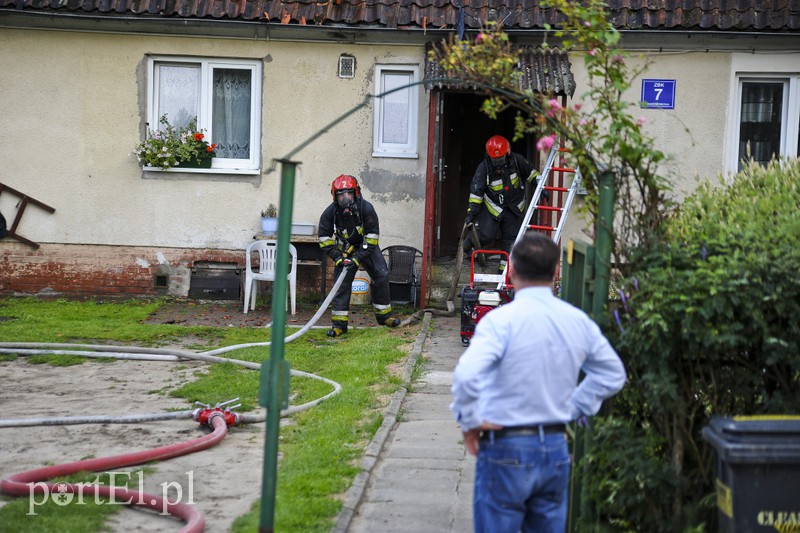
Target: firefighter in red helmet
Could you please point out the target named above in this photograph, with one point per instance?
(497, 195)
(348, 233)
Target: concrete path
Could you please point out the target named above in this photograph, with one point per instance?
(422, 477)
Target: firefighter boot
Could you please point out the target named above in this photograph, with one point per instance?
(337, 330)
(392, 322)
(389, 321)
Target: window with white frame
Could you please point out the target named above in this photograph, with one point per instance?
(396, 111)
(223, 96)
(765, 117)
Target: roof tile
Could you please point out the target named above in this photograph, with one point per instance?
(694, 15)
(543, 70)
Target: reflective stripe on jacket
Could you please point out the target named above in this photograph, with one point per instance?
(352, 235)
(500, 188)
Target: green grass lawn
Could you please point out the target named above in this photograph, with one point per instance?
(320, 452)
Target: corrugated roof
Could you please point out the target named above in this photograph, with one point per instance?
(693, 15)
(544, 70)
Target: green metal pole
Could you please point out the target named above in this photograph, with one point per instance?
(602, 258)
(271, 382)
(602, 275)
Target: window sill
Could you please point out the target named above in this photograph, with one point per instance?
(399, 155)
(179, 170)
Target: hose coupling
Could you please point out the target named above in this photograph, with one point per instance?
(224, 409)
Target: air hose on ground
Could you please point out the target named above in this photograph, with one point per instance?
(162, 354)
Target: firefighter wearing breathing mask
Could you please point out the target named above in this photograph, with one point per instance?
(348, 233)
(497, 195)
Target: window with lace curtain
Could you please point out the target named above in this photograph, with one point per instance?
(224, 96)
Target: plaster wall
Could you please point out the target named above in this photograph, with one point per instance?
(78, 115)
(692, 135)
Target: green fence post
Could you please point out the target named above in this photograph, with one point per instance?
(271, 381)
(603, 238)
(602, 276)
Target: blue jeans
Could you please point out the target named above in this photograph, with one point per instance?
(521, 484)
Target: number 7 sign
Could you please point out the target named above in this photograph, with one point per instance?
(658, 94)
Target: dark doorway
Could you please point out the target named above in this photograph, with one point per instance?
(464, 130)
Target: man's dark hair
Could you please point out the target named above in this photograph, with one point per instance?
(535, 257)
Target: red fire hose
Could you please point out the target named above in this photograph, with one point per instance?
(20, 484)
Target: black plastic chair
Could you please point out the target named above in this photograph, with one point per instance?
(405, 265)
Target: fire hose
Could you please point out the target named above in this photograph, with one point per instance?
(32, 482)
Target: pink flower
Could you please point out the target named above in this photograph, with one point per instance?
(617, 59)
(547, 142)
(554, 104)
(593, 52)
(641, 121)
(583, 122)
(577, 107)
(587, 24)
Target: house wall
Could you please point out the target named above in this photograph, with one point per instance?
(77, 116)
(75, 110)
(691, 135)
(695, 134)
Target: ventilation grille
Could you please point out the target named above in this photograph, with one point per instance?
(347, 66)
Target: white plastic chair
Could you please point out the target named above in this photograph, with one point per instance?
(267, 255)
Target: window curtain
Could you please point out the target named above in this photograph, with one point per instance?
(231, 117)
(760, 128)
(178, 94)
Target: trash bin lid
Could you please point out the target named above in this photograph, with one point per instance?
(755, 439)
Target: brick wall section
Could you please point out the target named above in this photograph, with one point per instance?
(100, 270)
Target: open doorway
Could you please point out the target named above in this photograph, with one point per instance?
(463, 133)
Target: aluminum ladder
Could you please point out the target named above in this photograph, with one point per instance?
(555, 165)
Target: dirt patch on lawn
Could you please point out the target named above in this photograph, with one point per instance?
(230, 314)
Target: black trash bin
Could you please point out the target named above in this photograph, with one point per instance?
(757, 472)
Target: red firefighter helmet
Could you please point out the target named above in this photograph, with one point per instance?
(345, 182)
(497, 146)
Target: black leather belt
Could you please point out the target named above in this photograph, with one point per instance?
(515, 431)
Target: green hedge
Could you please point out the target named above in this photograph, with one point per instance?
(708, 324)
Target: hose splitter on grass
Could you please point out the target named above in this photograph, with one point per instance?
(205, 415)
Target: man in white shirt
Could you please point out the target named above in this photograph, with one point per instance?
(515, 389)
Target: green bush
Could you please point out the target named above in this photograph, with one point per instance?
(708, 327)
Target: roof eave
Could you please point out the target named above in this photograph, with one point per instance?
(638, 39)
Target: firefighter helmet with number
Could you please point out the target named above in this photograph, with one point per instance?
(497, 146)
(345, 182)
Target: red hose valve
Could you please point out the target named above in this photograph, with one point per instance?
(204, 416)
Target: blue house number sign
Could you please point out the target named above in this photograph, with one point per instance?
(658, 94)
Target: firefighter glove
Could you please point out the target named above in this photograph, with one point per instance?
(471, 216)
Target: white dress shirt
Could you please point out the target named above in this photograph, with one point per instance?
(523, 364)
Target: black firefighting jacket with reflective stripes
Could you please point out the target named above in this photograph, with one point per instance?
(349, 233)
(500, 188)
